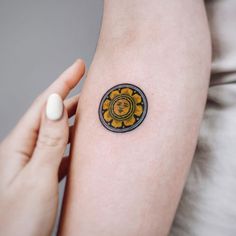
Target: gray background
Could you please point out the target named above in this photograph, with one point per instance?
(38, 40)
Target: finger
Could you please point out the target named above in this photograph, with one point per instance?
(71, 105)
(62, 86)
(63, 168)
(66, 81)
(53, 135)
(23, 137)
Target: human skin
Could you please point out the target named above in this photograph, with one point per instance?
(130, 183)
(30, 157)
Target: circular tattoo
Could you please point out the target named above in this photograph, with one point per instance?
(123, 108)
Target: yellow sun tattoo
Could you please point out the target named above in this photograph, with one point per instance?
(123, 108)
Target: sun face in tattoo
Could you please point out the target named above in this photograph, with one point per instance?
(123, 108)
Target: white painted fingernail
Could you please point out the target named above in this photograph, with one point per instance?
(54, 108)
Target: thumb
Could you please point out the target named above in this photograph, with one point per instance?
(53, 134)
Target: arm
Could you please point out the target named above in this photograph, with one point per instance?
(131, 183)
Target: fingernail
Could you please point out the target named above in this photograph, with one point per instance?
(54, 108)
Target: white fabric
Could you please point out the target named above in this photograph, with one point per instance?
(208, 203)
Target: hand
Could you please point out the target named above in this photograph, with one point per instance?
(30, 158)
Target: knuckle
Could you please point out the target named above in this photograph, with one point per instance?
(50, 140)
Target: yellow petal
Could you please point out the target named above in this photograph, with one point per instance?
(106, 104)
(129, 121)
(114, 93)
(137, 98)
(116, 123)
(138, 110)
(126, 91)
(107, 116)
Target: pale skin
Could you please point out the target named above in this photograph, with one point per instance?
(119, 184)
(31, 158)
(130, 184)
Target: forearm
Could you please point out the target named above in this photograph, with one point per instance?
(130, 183)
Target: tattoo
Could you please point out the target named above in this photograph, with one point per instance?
(123, 108)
